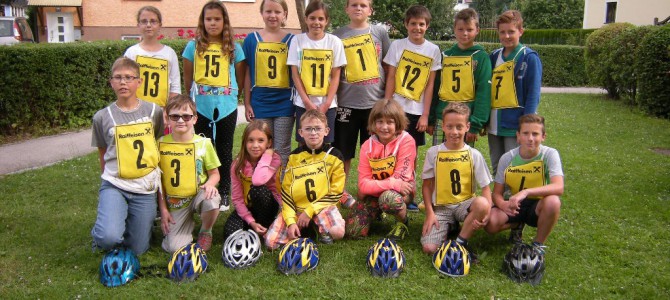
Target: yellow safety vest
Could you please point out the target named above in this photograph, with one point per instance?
(246, 187)
(412, 74)
(315, 70)
(155, 87)
(136, 150)
(362, 61)
(457, 79)
(310, 182)
(271, 68)
(525, 176)
(178, 166)
(503, 88)
(454, 177)
(213, 67)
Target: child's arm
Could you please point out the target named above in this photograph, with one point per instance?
(237, 197)
(431, 220)
(209, 187)
(248, 110)
(390, 82)
(101, 157)
(499, 200)
(481, 109)
(555, 187)
(266, 168)
(433, 115)
(332, 89)
(337, 181)
(427, 100)
(173, 73)
(166, 216)
(532, 83)
(300, 88)
(240, 77)
(188, 75)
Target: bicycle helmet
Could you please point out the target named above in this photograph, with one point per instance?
(241, 249)
(298, 256)
(524, 263)
(452, 259)
(118, 267)
(386, 259)
(187, 263)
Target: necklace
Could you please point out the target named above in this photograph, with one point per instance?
(124, 109)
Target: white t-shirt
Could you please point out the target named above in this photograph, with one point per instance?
(174, 78)
(393, 57)
(330, 42)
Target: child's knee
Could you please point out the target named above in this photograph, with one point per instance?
(480, 205)
(429, 248)
(551, 205)
(337, 232)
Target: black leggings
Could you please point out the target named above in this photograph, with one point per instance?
(225, 131)
(263, 207)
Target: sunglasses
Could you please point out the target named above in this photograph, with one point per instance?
(176, 118)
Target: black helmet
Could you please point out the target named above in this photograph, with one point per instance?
(524, 263)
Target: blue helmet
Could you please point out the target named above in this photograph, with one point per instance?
(298, 256)
(386, 259)
(524, 263)
(187, 263)
(452, 259)
(118, 267)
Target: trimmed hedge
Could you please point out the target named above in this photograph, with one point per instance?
(575, 37)
(622, 55)
(653, 72)
(599, 45)
(63, 85)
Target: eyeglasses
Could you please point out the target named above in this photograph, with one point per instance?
(152, 22)
(119, 78)
(176, 118)
(312, 129)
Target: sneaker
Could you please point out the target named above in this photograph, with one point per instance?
(225, 203)
(347, 200)
(398, 232)
(539, 247)
(454, 230)
(326, 239)
(413, 207)
(205, 241)
(516, 234)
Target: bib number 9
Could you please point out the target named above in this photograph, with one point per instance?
(272, 65)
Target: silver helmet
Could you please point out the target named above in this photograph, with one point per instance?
(241, 249)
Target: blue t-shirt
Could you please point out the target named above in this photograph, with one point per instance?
(209, 98)
(267, 102)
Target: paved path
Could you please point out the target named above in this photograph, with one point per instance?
(45, 151)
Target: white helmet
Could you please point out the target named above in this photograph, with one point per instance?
(241, 249)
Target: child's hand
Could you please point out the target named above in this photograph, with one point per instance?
(248, 113)
(303, 220)
(510, 208)
(309, 105)
(258, 228)
(430, 129)
(422, 124)
(323, 108)
(471, 137)
(210, 191)
(405, 188)
(428, 224)
(269, 151)
(166, 220)
(293, 232)
(476, 224)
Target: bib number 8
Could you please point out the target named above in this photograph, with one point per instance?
(155, 78)
(311, 195)
(415, 75)
(455, 182)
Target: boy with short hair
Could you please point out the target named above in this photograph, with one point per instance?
(190, 174)
(465, 77)
(515, 85)
(413, 62)
(534, 175)
(125, 134)
(312, 186)
(450, 173)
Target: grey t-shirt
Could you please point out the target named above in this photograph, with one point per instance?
(364, 94)
(103, 134)
(549, 156)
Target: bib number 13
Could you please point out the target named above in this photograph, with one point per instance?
(155, 79)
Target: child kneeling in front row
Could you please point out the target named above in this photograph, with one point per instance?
(189, 164)
(385, 171)
(312, 186)
(450, 172)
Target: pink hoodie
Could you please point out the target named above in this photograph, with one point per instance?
(404, 165)
(263, 174)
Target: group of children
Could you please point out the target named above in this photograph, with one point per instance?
(336, 89)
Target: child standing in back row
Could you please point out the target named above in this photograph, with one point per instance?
(159, 67)
(515, 85)
(213, 75)
(316, 58)
(363, 79)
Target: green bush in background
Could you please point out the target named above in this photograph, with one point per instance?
(622, 57)
(599, 45)
(652, 68)
(575, 37)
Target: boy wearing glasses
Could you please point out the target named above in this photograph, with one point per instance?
(125, 134)
(312, 186)
(190, 173)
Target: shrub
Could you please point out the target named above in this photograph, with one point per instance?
(575, 37)
(599, 45)
(653, 73)
(622, 58)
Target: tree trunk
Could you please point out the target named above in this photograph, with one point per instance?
(300, 9)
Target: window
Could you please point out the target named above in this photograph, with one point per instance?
(610, 13)
(131, 37)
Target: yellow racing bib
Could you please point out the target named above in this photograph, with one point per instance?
(136, 150)
(213, 67)
(154, 74)
(315, 70)
(310, 182)
(382, 168)
(412, 74)
(179, 173)
(457, 79)
(454, 177)
(271, 68)
(503, 89)
(525, 176)
(361, 57)
(246, 187)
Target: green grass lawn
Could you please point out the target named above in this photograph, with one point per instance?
(611, 240)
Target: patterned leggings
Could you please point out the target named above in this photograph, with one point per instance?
(263, 206)
(364, 212)
(223, 143)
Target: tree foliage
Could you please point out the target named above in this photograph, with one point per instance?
(551, 14)
(392, 14)
(489, 10)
